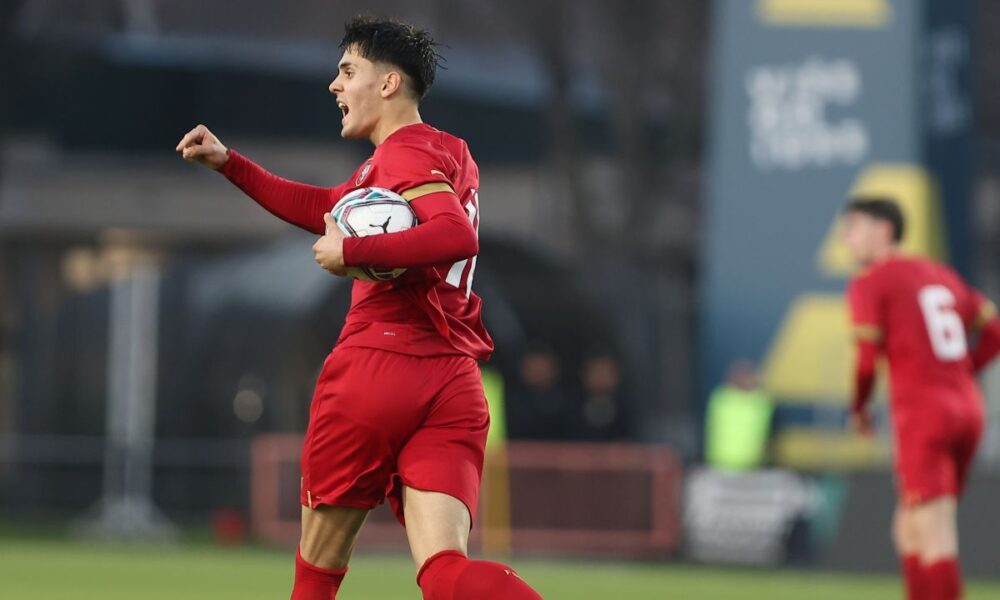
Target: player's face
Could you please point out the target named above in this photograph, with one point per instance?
(863, 236)
(357, 90)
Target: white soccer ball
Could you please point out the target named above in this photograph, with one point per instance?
(373, 211)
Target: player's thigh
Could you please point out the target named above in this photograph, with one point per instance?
(925, 466)
(936, 522)
(365, 408)
(329, 534)
(446, 453)
(965, 446)
(435, 522)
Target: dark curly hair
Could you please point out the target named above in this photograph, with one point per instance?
(396, 43)
(881, 208)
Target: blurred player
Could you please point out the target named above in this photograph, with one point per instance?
(398, 410)
(918, 313)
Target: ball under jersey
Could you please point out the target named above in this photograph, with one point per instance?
(426, 311)
(918, 312)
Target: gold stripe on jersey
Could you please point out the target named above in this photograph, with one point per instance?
(427, 188)
(867, 333)
(987, 310)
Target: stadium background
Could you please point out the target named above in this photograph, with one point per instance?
(660, 181)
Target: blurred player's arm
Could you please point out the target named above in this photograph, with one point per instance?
(987, 325)
(868, 335)
(864, 382)
(297, 203)
(444, 234)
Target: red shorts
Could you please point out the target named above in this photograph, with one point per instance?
(380, 420)
(934, 455)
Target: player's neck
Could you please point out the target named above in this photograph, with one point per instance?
(883, 254)
(393, 121)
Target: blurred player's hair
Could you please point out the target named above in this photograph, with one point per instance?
(396, 43)
(883, 209)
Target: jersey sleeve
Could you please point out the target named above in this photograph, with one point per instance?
(977, 310)
(867, 321)
(980, 311)
(297, 203)
(414, 170)
(443, 235)
(972, 305)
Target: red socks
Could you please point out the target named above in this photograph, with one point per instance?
(912, 571)
(942, 580)
(450, 575)
(314, 583)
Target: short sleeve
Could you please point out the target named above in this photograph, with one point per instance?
(985, 312)
(866, 317)
(974, 307)
(413, 169)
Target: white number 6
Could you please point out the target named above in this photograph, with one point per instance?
(944, 325)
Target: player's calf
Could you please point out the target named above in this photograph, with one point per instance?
(450, 575)
(906, 539)
(940, 574)
(437, 526)
(315, 583)
(328, 537)
(329, 534)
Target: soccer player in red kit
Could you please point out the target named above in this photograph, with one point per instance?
(919, 314)
(399, 409)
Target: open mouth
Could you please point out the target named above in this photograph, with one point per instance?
(343, 108)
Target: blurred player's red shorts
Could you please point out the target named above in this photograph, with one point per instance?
(380, 420)
(935, 452)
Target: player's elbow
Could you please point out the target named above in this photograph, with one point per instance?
(867, 355)
(465, 243)
(470, 243)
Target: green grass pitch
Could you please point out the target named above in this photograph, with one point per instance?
(53, 569)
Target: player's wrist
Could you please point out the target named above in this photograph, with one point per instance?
(347, 250)
(225, 159)
(230, 159)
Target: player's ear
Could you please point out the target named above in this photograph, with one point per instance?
(391, 83)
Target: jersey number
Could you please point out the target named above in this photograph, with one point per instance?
(456, 271)
(944, 325)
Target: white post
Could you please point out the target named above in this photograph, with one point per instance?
(126, 509)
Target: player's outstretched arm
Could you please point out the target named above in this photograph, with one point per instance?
(297, 203)
(444, 235)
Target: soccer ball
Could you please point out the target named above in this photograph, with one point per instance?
(373, 211)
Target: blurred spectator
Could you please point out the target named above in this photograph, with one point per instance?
(602, 411)
(539, 409)
(738, 421)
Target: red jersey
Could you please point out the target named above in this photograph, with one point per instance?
(431, 310)
(918, 311)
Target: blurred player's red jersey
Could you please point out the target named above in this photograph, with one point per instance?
(918, 311)
(429, 311)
